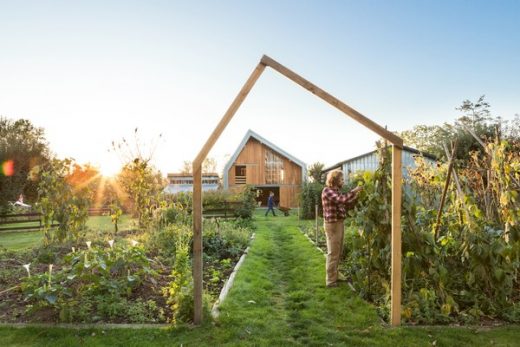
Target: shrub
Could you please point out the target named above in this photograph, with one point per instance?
(309, 197)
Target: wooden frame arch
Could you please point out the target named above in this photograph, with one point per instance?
(397, 144)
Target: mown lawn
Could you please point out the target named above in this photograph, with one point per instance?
(278, 299)
(24, 239)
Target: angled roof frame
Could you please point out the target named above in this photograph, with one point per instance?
(397, 144)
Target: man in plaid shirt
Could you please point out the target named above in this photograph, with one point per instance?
(335, 206)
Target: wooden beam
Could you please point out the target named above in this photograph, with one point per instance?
(197, 244)
(229, 114)
(394, 139)
(395, 312)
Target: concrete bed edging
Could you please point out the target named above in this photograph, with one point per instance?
(229, 283)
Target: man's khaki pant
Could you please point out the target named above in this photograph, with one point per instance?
(334, 232)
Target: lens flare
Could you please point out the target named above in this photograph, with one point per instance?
(8, 168)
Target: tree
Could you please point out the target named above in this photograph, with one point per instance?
(476, 119)
(315, 172)
(139, 179)
(209, 165)
(24, 147)
(143, 185)
(59, 201)
(187, 167)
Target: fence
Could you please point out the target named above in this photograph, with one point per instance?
(33, 220)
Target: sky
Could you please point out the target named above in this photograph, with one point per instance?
(90, 72)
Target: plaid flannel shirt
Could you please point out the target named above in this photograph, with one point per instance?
(335, 204)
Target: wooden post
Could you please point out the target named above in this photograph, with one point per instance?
(316, 215)
(395, 312)
(197, 244)
(197, 189)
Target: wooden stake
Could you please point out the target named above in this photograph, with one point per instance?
(316, 212)
(395, 312)
(446, 185)
(460, 194)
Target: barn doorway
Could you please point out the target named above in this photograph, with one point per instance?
(263, 195)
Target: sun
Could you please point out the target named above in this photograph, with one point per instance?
(109, 169)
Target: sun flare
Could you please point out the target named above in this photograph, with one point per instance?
(109, 169)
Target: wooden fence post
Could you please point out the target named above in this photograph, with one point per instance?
(395, 312)
(197, 244)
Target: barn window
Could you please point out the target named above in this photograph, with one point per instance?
(240, 174)
(273, 168)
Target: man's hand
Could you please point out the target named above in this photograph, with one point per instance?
(357, 189)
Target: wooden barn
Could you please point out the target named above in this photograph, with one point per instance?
(265, 166)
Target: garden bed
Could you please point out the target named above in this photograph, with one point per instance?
(95, 284)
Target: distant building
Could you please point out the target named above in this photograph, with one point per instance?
(370, 162)
(180, 182)
(267, 167)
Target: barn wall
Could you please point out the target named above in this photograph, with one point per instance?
(253, 157)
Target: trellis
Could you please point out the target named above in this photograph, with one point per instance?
(397, 144)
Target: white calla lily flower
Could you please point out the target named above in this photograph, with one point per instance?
(27, 268)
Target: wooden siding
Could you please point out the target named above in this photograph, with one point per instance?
(253, 157)
(289, 195)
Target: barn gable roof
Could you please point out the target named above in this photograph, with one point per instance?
(251, 134)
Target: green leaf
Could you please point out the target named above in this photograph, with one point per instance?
(51, 298)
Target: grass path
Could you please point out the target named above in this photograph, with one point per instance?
(278, 299)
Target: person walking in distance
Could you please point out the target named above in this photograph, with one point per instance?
(270, 204)
(335, 205)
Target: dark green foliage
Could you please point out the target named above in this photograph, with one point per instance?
(469, 271)
(164, 240)
(26, 146)
(315, 172)
(247, 197)
(93, 284)
(224, 240)
(309, 197)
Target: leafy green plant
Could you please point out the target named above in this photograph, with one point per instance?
(469, 271)
(179, 292)
(99, 280)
